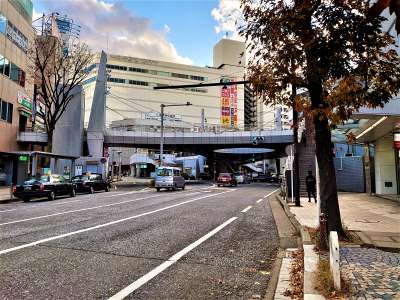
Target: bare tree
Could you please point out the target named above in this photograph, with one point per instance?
(56, 71)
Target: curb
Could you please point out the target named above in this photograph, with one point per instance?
(288, 238)
(311, 258)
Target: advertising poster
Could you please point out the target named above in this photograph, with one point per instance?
(229, 106)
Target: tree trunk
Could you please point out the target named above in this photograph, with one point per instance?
(50, 141)
(328, 189)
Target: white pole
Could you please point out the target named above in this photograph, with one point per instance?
(291, 171)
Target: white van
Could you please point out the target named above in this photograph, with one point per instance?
(169, 178)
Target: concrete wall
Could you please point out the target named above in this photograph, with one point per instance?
(68, 134)
(385, 169)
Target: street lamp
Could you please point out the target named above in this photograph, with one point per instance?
(162, 128)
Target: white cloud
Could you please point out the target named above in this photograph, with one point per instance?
(112, 25)
(228, 16)
(35, 15)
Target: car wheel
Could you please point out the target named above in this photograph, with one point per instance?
(51, 196)
(91, 190)
(107, 189)
(158, 189)
(73, 192)
(26, 199)
(219, 185)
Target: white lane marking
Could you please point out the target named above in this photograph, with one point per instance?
(1, 211)
(75, 210)
(105, 224)
(127, 193)
(246, 209)
(259, 200)
(165, 265)
(266, 196)
(83, 209)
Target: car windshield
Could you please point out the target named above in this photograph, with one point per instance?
(30, 181)
(79, 178)
(44, 178)
(225, 175)
(164, 172)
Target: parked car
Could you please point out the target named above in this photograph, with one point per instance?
(48, 186)
(169, 178)
(274, 178)
(260, 177)
(91, 183)
(226, 179)
(241, 177)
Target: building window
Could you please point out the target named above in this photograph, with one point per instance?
(6, 111)
(200, 78)
(2, 64)
(177, 75)
(6, 67)
(12, 71)
(3, 23)
(138, 70)
(116, 80)
(137, 82)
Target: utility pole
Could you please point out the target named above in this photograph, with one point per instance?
(296, 174)
(162, 136)
(119, 165)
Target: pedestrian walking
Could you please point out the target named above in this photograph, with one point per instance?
(310, 184)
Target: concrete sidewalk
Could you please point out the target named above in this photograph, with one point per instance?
(374, 219)
(372, 273)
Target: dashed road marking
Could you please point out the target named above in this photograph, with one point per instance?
(105, 224)
(2, 211)
(246, 209)
(259, 200)
(165, 265)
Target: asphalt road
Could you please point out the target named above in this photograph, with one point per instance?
(201, 243)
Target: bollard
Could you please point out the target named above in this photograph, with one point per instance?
(323, 236)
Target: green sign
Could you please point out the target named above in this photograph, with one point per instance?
(26, 103)
(23, 158)
(24, 113)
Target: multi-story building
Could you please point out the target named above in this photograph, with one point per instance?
(15, 90)
(132, 101)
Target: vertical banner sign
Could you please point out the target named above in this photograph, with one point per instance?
(229, 106)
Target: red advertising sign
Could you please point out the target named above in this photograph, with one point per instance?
(229, 105)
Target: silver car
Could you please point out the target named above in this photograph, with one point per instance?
(169, 178)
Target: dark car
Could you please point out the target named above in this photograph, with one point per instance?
(226, 179)
(91, 183)
(48, 186)
(261, 178)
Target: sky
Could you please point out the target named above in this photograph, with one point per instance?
(182, 31)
